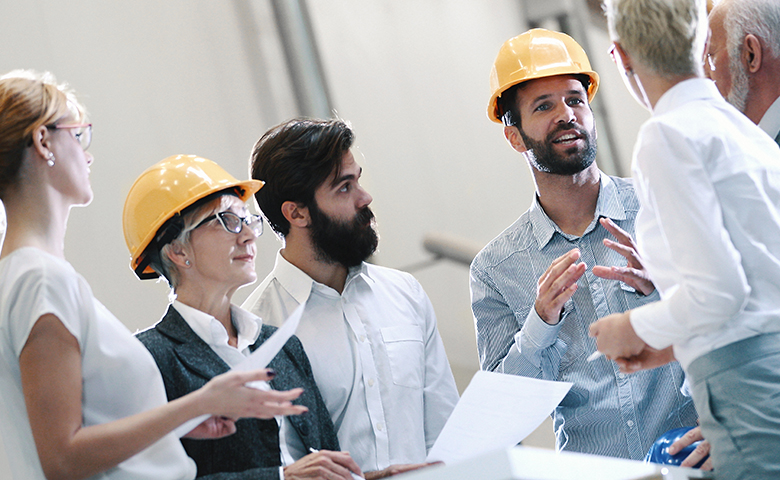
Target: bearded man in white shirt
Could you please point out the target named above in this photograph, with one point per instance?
(370, 332)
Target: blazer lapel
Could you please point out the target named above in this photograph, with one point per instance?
(189, 347)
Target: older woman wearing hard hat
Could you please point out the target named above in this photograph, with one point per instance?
(186, 219)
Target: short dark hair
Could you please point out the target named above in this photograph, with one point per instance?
(293, 159)
(507, 102)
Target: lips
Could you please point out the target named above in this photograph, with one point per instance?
(567, 137)
(244, 258)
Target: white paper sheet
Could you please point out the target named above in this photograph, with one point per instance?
(258, 359)
(495, 411)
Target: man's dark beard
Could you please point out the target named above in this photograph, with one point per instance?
(347, 243)
(546, 159)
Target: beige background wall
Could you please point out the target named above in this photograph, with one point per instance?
(162, 78)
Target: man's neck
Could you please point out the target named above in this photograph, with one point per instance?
(569, 200)
(300, 252)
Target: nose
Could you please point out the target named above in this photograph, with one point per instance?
(246, 235)
(90, 158)
(565, 114)
(365, 198)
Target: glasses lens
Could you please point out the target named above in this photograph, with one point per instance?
(230, 221)
(84, 136)
(255, 223)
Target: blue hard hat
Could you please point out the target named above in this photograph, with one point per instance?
(659, 451)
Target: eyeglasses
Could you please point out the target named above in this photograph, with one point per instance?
(234, 224)
(84, 136)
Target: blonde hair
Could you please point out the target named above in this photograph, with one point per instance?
(29, 100)
(667, 36)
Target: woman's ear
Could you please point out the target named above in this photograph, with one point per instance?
(296, 213)
(41, 142)
(178, 255)
(624, 58)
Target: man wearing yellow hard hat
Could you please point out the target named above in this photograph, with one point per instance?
(568, 260)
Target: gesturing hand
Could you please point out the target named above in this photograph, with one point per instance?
(634, 272)
(557, 285)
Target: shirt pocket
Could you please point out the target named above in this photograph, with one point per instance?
(406, 354)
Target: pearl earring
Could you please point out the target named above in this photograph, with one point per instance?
(50, 161)
(187, 262)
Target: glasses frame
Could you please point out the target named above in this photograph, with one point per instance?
(249, 220)
(84, 140)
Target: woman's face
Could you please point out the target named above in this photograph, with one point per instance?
(223, 258)
(70, 172)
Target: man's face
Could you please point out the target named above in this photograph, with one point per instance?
(342, 225)
(728, 73)
(557, 126)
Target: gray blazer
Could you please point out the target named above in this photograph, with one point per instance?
(187, 363)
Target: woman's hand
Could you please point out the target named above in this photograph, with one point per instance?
(227, 395)
(213, 428)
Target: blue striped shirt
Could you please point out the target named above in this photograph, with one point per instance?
(606, 412)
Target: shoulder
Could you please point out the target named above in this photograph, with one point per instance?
(625, 192)
(516, 238)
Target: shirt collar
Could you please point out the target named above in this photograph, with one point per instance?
(770, 122)
(300, 285)
(686, 91)
(607, 205)
(211, 331)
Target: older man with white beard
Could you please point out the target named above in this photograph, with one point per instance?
(744, 59)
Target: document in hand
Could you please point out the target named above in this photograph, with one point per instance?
(496, 411)
(258, 359)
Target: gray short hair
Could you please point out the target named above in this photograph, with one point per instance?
(758, 17)
(190, 219)
(667, 36)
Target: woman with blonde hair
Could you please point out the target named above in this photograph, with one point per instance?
(81, 397)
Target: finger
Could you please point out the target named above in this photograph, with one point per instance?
(281, 396)
(559, 265)
(707, 465)
(565, 280)
(621, 235)
(345, 459)
(628, 251)
(696, 455)
(241, 377)
(692, 435)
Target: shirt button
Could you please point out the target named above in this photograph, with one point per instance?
(370, 382)
(362, 338)
(379, 426)
(630, 423)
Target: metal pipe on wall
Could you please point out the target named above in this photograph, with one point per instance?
(303, 60)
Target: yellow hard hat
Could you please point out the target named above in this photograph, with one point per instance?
(165, 189)
(537, 53)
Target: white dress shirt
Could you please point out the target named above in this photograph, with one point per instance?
(376, 355)
(770, 122)
(211, 331)
(708, 180)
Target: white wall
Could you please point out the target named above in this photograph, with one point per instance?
(162, 78)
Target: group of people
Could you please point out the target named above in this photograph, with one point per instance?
(673, 275)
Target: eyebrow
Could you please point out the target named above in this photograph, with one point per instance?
(347, 177)
(548, 95)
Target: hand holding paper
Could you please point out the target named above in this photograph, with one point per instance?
(259, 359)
